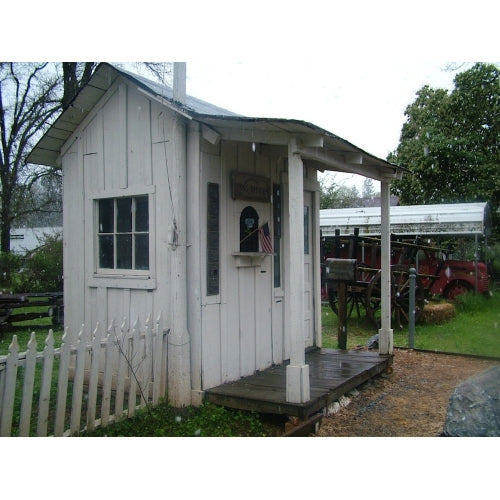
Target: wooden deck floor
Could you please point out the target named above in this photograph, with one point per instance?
(332, 373)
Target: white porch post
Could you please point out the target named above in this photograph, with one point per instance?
(194, 267)
(385, 333)
(297, 372)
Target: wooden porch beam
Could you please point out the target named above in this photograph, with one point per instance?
(354, 158)
(355, 166)
(272, 137)
(209, 134)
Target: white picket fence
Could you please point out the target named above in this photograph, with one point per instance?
(96, 380)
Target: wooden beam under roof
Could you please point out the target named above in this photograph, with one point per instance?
(374, 171)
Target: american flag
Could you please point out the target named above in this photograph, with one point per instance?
(265, 238)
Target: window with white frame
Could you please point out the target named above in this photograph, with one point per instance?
(123, 233)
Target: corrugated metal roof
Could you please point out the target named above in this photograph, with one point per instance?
(425, 220)
(193, 104)
(331, 156)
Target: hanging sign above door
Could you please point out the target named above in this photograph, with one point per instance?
(250, 187)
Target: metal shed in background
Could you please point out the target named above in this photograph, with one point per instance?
(456, 219)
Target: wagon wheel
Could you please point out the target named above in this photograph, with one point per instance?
(355, 299)
(400, 297)
(372, 299)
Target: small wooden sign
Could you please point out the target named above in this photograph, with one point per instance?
(250, 187)
(341, 269)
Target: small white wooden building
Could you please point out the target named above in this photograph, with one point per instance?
(24, 239)
(163, 198)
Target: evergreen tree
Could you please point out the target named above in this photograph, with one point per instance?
(450, 143)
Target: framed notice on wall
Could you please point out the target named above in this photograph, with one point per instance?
(250, 187)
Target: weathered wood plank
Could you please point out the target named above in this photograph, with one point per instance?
(332, 374)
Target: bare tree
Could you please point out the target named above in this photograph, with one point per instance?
(75, 76)
(29, 100)
(31, 96)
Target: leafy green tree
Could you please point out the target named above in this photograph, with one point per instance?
(335, 195)
(450, 143)
(43, 267)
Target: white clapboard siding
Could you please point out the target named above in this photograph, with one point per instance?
(99, 369)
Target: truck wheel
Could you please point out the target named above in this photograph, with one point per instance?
(456, 288)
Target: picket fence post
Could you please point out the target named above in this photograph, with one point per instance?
(44, 400)
(107, 376)
(12, 363)
(148, 361)
(29, 380)
(94, 377)
(132, 393)
(76, 407)
(62, 384)
(122, 372)
(157, 356)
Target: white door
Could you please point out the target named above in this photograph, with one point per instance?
(252, 294)
(308, 271)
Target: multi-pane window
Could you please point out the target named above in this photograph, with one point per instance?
(123, 233)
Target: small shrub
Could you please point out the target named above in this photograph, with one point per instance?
(493, 259)
(10, 264)
(42, 268)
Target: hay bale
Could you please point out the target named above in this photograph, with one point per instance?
(434, 314)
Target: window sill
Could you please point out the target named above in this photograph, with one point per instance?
(249, 259)
(121, 281)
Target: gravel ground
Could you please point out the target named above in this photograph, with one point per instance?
(411, 401)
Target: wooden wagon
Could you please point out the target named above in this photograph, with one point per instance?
(364, 292)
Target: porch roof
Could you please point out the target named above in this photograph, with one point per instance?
(320, 148)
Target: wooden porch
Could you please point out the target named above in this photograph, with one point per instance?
(332, 373)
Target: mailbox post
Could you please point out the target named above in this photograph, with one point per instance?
(341, 272)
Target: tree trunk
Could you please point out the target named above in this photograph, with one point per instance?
(5, 238)
(73, 84)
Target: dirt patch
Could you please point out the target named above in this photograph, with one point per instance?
(410, 401)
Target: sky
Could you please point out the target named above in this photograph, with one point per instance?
(361, 101)
(349, 67)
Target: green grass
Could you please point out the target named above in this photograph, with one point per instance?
(23, 330)
(208, 420)
(474, 330)
(23, 333)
